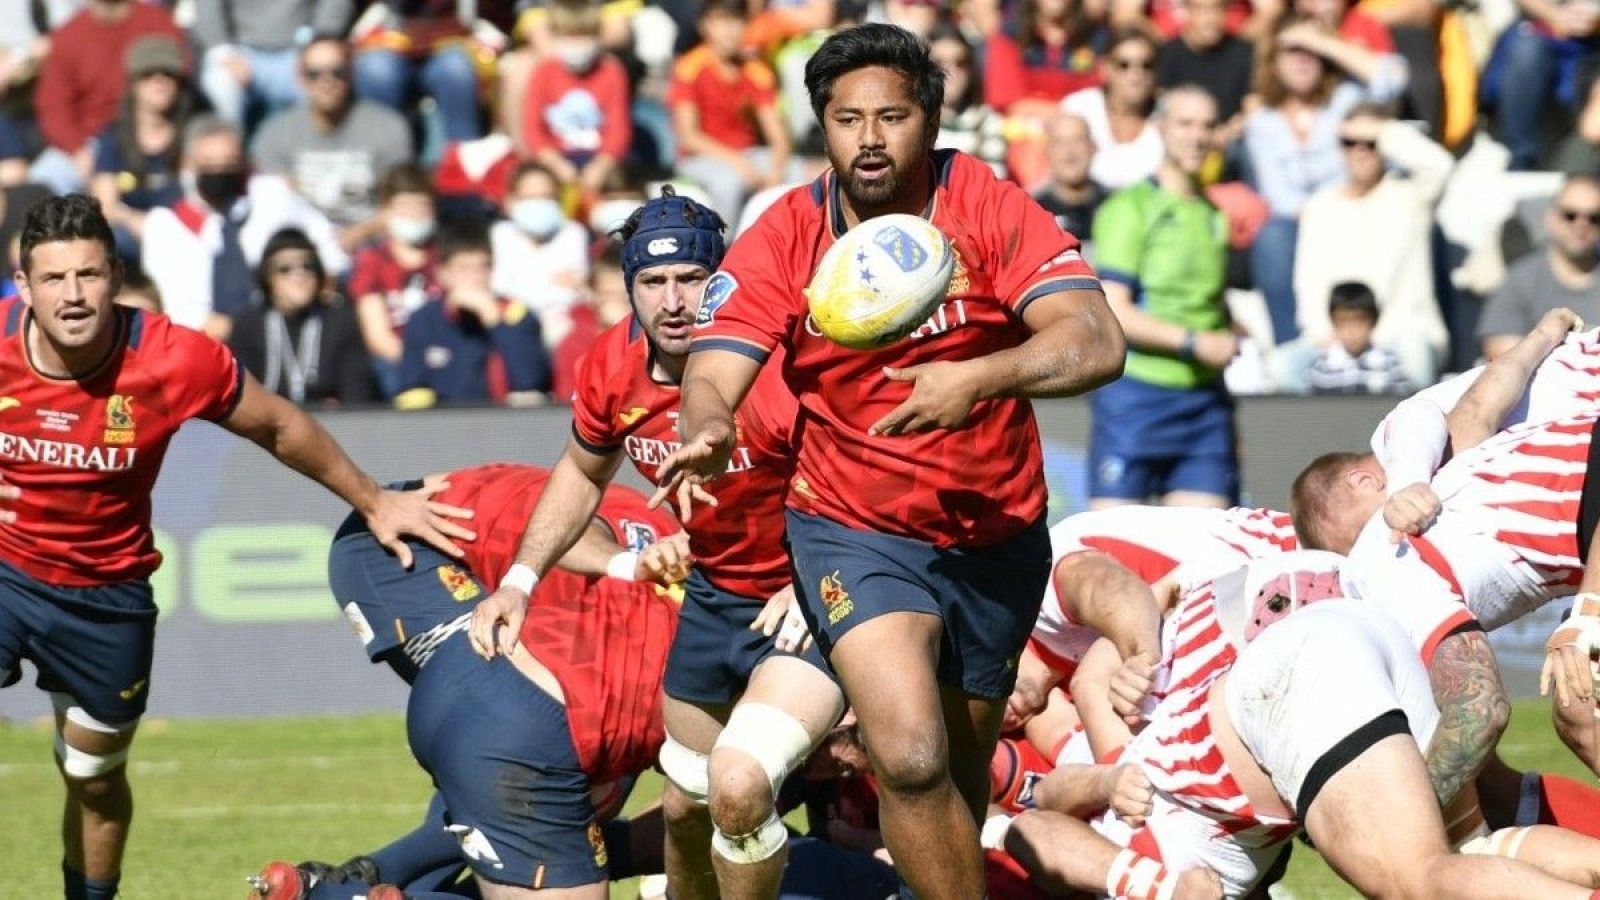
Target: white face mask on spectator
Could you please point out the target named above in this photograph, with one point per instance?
(538, 217)
(608, 215)
(410, 231)
(577, 54)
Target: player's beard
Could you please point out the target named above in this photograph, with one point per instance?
(873, 194)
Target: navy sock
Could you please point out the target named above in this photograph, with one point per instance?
(79, 886)
(426, 849)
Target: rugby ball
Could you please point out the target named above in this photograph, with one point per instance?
(880, 281)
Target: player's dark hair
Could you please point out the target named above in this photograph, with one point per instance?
(72, 217)
(404, 178)
(528, 167)
(462, 236)
(737, 9)
(1313, 490)
(281, 240)
(1353, 296)
(875, 45)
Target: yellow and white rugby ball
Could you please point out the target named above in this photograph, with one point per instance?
(880, 281)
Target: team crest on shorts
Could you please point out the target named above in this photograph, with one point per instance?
(458, 583)
(835, 599)
(119, 419)
(597, 840)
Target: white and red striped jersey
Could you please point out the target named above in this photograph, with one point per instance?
(1410, 441)
(1188, 543)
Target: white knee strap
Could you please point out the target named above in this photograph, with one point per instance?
(1505, 843)
(77, 715)
(754, 847)
(689, 771)
(79, 764)
(773, 738)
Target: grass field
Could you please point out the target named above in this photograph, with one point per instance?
(217, 799)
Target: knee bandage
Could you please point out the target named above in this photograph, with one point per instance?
(773, 738)
(1139, 877)
(754, 847)
(79, 764)
(1505, 843)
(687, 770)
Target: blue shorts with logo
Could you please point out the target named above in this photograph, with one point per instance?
(987, 597)
(92, 643)
(714, 652)
(1146, 441)
(501, 754)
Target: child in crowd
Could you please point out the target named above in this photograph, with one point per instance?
(1352, 364)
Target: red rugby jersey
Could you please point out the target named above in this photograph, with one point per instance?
(604, 640)
(86, 452)
(970, 487)
(738, 545)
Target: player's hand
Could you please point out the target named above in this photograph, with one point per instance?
(942, 396)
(1129, 794)
(1556, 324)
(666, 561)
(1031, 694)
(685, 471)
(1411, 510)
(8, 492)
(794, 636)
(1198, 884)
(1130, 683)
(502, 612)
(1567, 660)
(398, 513)
(770, 619)
(1216, 348)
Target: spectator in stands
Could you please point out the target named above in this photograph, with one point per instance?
(966, 123)
(1071, 194)
(605, 303)
(1293, 141)
(1545, 55)
(541, 258)
(15, 201)
(24, 43)
(81, 82)
(138, 291)
(1563, 275)
(1352, 363)
(1127, 146)
(1165, 429)
(333, 147)
(393, 276)
(1252, 19)
(1204, 53)
(201, 252)
(247, 66)
(1347, 21)
(302, 342)
(533, 28)
(575, 115)
(1377, 228)
(731, 140)
(1050, 54)
(468, 345)
(420, 47)
(136, 156)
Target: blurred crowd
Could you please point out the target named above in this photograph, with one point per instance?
(407, 202)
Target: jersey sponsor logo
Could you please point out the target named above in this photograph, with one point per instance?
(1060, 259)
(475, 846)
(119, 419)
(906, 253)
(654, 451)
(718, 290)
(458, 583)
(8, 402)
(630, 416)
(662, 246)
(66, 454)
(835, 599)
(133, 692)
(637, 535)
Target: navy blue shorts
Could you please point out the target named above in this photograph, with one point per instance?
(501, 754)
(987, 597)
(714, 651)
(93, 643)
(1146, 441)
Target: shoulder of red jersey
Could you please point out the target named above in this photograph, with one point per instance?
(201, 374)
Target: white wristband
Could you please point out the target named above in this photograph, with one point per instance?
(521, 577)
(992, 836)
(623, 566)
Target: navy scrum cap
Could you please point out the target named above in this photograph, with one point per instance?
(673, 229)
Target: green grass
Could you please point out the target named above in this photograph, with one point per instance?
(216, 799)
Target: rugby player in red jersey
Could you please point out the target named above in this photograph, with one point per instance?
(90, 395)
(916, 515)
(740, 712)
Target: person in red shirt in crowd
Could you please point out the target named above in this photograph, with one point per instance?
(1251, 19)
(742, 709)
(605, 304)
(392, 277)
(1049, 54)
(81, 83)
(575, 116)
(916, 514)
(573, 711)
(731, 138)
(95, 393)
(1351, 24)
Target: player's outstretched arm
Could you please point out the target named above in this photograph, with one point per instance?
(714, 384)
(1091, 694)
(565, 509)
(1082, 791)
(1473, 712)
(1481, 410)
(300, 442)
(1101, 593)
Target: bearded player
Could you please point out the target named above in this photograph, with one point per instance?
(740, 714)
(916, 516)
(92, 394)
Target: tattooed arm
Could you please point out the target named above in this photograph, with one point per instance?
(1473, 711)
